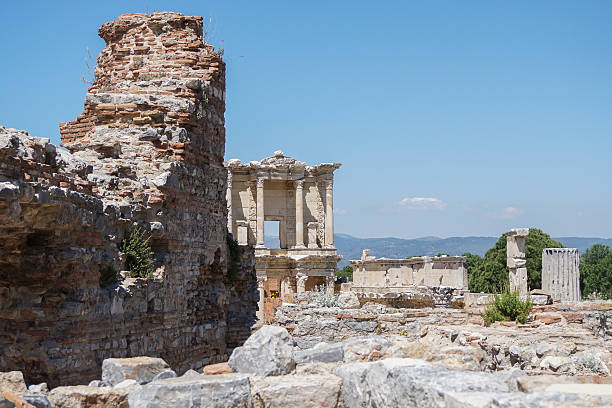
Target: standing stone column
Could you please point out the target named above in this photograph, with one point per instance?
(515, 259)
(260, 213)
(230, 219)
(329, 214)
(301, 282)
(561, 273)
(329, 284)
(299, 214)
(261, 283)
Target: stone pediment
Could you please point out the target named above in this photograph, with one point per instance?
(280, 160)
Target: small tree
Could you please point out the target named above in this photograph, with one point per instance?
(138, 253)
(347, 272)
(491, 275)
(596, 271)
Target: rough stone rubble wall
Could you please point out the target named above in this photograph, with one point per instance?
(147, 150)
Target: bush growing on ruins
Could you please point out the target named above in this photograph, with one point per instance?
(346, 272)
(490, 274)
(507, 307)
(596, 272)
(138, 254)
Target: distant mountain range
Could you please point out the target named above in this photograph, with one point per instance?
(350, 247)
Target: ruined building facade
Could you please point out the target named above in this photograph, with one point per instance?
(148, 152)
(300, 198)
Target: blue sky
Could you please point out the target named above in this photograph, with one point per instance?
(450, 118)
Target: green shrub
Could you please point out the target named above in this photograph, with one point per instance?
(138, 254)
(346, 272)
(508, 307)
(108, 276)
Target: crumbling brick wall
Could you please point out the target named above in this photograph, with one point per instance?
(147, 150)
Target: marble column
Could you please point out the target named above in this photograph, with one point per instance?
(329, 284)
(230, 220)
(561, 273)
(329, 214)
(260, 213)
(301, 282)
(299, 214)
(261, 282)
(515, 259)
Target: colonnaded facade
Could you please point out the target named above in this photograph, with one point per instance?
(300, 198)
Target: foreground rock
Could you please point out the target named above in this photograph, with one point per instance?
(269, 351)
(140, 369)
(83, 396)
(214, 391)
(296, 391)
(12, 382)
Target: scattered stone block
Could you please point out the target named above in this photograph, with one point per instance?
(348, 300)
(140, 369)
(211, 391)
(369, 348)
(409, 383)
(164, 375)
(311, 391)
(321, 353)
(269, 351)
(13, 382)
(220, 368)
(83, 396)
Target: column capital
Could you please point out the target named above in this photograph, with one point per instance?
(261, 281)
(299, 183)
(329, 184)
(260, 182)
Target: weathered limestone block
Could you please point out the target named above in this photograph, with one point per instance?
(214, 391)
(12, 382)
(321, 353)
(515, 259)
(561, 273)
(82, 396)
(140, 369)
(310, 391)
(409, 383)
(269, 351)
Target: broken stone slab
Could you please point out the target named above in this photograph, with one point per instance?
(214, 391)
(13, 382)
(321, 353)
(268, 351)
(220, 368)
(190, 373)
(142, 369)
(540, 383)
(398, 382)
(164, 375)
(41, 388)
(348, 300)
(83, 396)
(310, 391)
(36, 399)
(368, 348)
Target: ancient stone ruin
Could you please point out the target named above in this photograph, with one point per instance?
(146, 152)
(561, 273)
(300, 198)
(515, 250)
(419, 281)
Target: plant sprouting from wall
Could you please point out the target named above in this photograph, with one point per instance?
(138, 253)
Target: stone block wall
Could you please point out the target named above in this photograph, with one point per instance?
(148, 151)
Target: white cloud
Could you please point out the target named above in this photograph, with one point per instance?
(422, 203)
(507, 213)
(340, 211)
